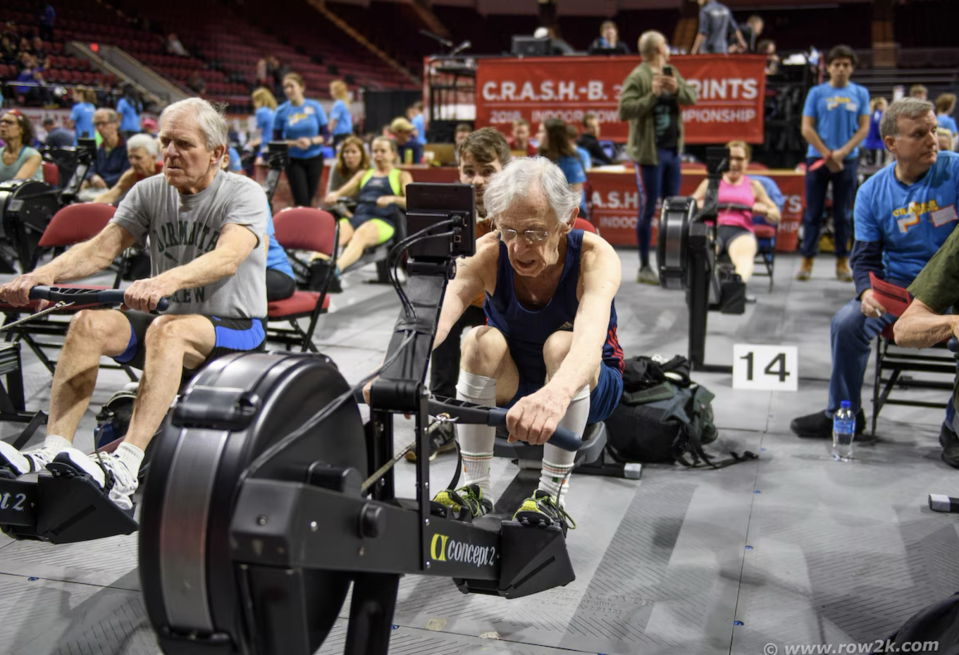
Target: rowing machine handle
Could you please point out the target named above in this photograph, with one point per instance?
(734, 206)
(91, 296)
(562, 438)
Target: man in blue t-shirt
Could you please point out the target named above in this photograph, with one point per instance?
(904, 213)
(414, 113)
(715, 22)
(835, 119)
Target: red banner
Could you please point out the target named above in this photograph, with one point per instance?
(616, 204)
(729, 91)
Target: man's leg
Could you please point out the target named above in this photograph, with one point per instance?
(92, 334)
(843, 188)
(488, 376)
(172, 344)
(816, 184)
(558, 463)
(649, 179)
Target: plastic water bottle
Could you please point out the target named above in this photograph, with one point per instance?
(843, 432)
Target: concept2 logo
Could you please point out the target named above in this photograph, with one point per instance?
(444, 549)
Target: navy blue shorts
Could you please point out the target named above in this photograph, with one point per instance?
(602, 400)
(232, 335)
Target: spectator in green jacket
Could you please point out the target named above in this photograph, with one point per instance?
(651, 100)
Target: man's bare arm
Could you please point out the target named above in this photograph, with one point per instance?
(920, 327)
(601, 274)
(473, 275)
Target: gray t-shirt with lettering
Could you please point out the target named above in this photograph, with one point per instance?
(182, 228)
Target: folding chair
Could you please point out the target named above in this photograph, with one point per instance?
(766, 233)
(892, 361)
(302, 228)
(71, 225)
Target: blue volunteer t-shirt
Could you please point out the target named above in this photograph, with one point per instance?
(947, 122)
(82, 117)
(295, 122)
(343, 118)
(910, 222)
(235, 162)
(264, 123)
(836, 112)
(575, 173)
(420, 130)
(129, 118)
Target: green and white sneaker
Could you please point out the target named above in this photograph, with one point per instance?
(541, 511)
(466, 503)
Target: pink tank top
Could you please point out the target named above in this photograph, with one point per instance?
(741, 194)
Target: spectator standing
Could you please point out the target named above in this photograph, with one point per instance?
(520, 139)
(589, 141)
(17, 159)
(555, 145)
(608, 41)
(945, 104)
(341, 120)
(835, 120)
(263, 117)
(650, 100)
(129, 107)
(175, 47)
(48, 18)
(301, 122)
(919, 91)
(111, 159)
(715, 22)
(414, 114)
(57, 137)
(873, 142)
(750, 33)
(409, 150)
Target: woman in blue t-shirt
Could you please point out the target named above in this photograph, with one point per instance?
(82, 112)
(264, 105)
(554, 144)
(945, 105)
(129, 108)
(302, 124)
(873, 142)
(341, 120)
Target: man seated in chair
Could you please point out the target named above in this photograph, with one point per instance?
(549, 350)
(903, 214)
(207, 232)
(926, 323)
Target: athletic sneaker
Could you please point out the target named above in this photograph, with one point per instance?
(441, 439)
(14, 463)
(647, 275)
(542, 511)
(469, 498)
(108, 472)
(819, 426)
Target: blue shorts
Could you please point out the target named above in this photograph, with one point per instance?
(602, 400)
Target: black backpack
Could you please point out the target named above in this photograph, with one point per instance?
(664, 418)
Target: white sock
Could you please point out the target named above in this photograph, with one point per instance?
(476, 441)
(558, 463)
(56, 443)
(131, 456)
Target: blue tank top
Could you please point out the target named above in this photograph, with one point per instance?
(376, 187)
(526, 331)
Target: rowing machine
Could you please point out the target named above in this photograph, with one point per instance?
(268, 496)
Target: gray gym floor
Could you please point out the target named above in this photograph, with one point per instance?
(791, 549)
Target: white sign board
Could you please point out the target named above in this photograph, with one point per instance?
(767, 368)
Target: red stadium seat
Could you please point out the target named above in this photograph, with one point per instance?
(302, 228)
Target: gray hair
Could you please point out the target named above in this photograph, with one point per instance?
(112, 116)
(649, 42)
(144, 141)
(522, 176)
(209, 119)
(908, 107)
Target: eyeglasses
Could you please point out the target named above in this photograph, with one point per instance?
(507, 234)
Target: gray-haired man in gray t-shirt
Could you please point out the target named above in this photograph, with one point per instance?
(207, 235)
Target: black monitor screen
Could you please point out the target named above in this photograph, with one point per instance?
(530, 46)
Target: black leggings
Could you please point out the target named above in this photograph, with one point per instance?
(279, 286)
(304, 176)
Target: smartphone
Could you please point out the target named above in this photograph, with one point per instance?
(668, 70)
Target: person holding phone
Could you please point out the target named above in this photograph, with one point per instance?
(650, 100)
